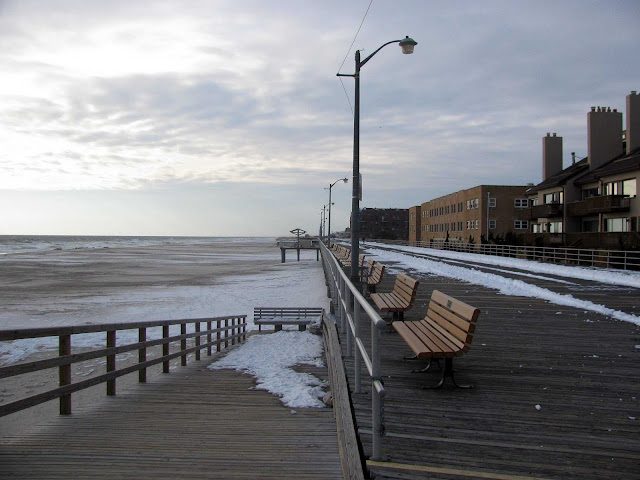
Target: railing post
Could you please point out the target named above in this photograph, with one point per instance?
(376, 400)
(218, 333)
(356, 352)
(209, 339)
(233, 330)
(197, 324)
(226, 333)
(183, 344)
(111, 362)
(165, 348)
(244, 329)
(64, 373)
(142, 355)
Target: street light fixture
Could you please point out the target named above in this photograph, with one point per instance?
(407, 45)
(345, 180)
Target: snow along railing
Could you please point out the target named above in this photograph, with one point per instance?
(349, 304)
(227, 331)
(623, 259)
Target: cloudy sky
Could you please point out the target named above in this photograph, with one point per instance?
(226, 117)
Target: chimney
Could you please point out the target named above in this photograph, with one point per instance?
(551, 155)
(633, 121)
(604, 131)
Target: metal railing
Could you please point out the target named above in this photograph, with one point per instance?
(227, 331)
(349, 305)
(623, 259)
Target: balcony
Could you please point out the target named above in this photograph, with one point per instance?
(548, 210)
(601, 204)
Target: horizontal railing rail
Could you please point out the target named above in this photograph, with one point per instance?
(349, 304)
(227, 331)
(600, 258)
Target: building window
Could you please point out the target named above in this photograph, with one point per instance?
(555, 197)
(520, 203)
(492, 224)
(459, 226)
(468, 224)
(476, 225)
(453, 208)
(590, 192)
(468, 204)
(475, 203)
(536, 228)
(553, 227)
(617, 224)
(492, 202)
(521, 224)
(533, 201)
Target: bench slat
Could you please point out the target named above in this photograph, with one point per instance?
(448, 319)
(444, 343)
(436, 347)
(462, 309)
(416, 343)
(455, 344)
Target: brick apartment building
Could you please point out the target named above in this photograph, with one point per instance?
(384, 223)
(466, 215)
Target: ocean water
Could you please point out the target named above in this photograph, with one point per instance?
(38, 243)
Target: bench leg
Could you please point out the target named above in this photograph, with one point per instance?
(277, 328)
(302, 328)
(447, 372)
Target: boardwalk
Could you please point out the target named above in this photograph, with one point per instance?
(581, 368)
(193, 423)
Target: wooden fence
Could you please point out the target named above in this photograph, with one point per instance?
(227, 331)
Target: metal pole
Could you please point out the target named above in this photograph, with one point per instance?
(329, 239)
(355, 199)
(356, 353)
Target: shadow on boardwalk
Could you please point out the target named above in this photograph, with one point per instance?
(193, 423)
(580, 368)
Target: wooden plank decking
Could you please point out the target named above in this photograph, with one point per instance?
(581, 368)
(192, 423)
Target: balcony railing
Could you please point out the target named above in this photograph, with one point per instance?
(600, 204)
(548, 210)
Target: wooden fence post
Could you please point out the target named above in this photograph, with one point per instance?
(183, 344)
(209, 338)
(64, 373)
(218, 347)
(226, 333)
(111, 362)
(165, 348)
(197, 341)
(142, 355)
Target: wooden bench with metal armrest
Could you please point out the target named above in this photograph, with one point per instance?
(446, 332)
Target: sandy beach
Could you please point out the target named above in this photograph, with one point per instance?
(102, 285)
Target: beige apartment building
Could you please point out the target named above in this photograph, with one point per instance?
(414, 224)
(487, 211)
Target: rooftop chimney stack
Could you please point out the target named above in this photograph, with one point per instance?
(633, 121)
(551, 155)
(604, 130)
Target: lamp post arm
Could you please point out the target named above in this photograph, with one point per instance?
(380, 48)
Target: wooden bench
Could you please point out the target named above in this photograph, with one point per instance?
(279, 316)
(446, 332)
(374, 275)
(400, 299)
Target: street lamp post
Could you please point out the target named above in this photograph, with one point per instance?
(407, 45)
(345, 180)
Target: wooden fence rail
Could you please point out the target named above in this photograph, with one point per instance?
(234, 329)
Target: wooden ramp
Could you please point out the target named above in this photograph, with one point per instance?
(193, 423)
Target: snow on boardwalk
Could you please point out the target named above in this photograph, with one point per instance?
(192, 423)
